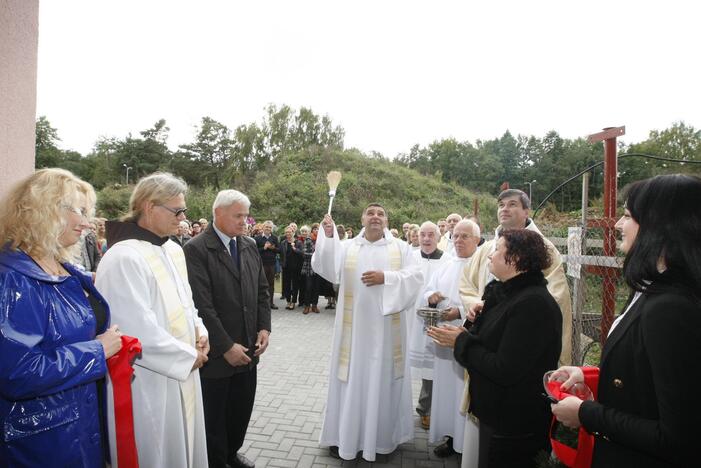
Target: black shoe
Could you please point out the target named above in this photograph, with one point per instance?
(445, 449)
(333, 450)
(240, 461)
(273, 306)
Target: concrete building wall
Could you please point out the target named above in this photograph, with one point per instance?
(19, 35)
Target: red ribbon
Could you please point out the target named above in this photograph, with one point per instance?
(120, 369)
(579, 457)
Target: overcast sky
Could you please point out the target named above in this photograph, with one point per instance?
(391, 73)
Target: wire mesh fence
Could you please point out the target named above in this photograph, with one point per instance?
(593, 265)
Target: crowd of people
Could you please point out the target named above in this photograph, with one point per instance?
(78, 289)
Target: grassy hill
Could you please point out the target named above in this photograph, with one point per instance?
(294, 188)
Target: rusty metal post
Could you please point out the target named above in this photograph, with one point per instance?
(610, 193)
(608, 136)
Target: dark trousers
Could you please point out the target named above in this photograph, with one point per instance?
(228, 403)
(512, 451)
(290, 284)
(311, 290)
(270, 276)
(425, 395)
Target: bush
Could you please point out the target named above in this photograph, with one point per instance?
(113, 201)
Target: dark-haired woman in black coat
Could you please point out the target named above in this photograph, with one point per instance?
(647, 413)
(513, 342)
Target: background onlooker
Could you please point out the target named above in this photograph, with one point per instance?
(291, 259)
(101, 235)
(268, 248)
(196, 228)
(414, 236)
(324, 287)
(310, 297)
(181, 236)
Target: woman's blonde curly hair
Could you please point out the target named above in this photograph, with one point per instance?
(32, 214)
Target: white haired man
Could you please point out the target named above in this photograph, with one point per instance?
(421, 347)
(230, 289)
(443, 292)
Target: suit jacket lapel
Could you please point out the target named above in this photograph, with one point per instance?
(222, 252)
(632, 315)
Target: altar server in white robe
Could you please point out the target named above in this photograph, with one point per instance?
(421, 346)
(448, 376)
(368, 407)
(144, 278)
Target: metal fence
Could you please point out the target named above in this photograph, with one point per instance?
(596, 286)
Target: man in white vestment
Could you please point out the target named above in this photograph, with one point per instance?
(512, 211)
(143, 276)
(421, 347)
(446, 242)
(443, 291)
(368, 407)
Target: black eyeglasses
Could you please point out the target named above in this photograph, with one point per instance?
(176, 211)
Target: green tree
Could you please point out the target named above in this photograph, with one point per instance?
(47, 152)
(212, 149)
(248, 149)
(680, 142)
(285, 131)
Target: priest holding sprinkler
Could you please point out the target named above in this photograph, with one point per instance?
(368, 408)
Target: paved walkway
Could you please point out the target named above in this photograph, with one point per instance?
(292, 385)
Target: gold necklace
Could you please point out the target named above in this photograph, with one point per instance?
(56, 271)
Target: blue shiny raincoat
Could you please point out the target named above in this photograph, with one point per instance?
(49, 364)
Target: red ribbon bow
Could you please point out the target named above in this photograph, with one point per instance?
(121, 370)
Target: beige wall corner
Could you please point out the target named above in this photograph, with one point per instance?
(19, 34)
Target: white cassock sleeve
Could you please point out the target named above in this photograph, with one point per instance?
(327, 260)
(402, 286)
(431, 287)
(123, 278)
(447, 282)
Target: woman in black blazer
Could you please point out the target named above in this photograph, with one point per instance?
(647, 413)
(515, 339)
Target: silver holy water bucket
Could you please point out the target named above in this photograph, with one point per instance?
(431, 316)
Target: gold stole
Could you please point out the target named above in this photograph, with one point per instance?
(177, 321)
(349, 268)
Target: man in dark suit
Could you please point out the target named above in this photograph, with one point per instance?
(230, 291)
(268, 247)
(181, 237)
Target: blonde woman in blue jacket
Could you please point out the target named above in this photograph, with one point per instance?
(54, 335)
